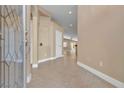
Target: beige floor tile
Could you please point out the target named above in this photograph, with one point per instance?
(64, 73)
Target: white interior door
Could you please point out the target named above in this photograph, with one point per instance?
(58, 44)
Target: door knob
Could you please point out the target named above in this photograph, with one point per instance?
(41, 44)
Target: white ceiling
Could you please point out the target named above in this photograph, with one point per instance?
(60, 13)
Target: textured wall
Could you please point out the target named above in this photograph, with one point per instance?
(101, 39)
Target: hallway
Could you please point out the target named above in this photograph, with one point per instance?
(64, 73)
(39, 45)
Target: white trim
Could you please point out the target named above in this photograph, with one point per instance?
(59, 43)
(47, 59)
(69, 38)
(59, 56)
(52, 58)
(31, 44)
(107, 78)
(34, 65)
(24, 59)
(29, 78)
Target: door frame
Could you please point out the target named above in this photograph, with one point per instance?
(57, 31)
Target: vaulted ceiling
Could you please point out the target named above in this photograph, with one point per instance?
(66, 16)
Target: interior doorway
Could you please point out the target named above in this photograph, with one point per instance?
(58, 44)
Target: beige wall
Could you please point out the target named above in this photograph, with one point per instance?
(31, 58)
(43, 32)
(101, 39)
(46, 35)
(43, 28)
(34, 34)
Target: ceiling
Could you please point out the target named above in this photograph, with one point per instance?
(66, 16)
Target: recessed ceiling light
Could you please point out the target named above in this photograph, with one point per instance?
(70, 12)
(70, 25)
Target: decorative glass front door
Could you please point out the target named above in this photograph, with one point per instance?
(11, 46)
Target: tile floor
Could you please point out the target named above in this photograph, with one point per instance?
(64, 73)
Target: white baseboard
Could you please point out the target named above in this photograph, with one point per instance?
(105, 77)
(34, 65)
(29, 78)
(52, 58)
(47, 59)
(59, 56)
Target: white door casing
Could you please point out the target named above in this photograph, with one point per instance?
(58, 44)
